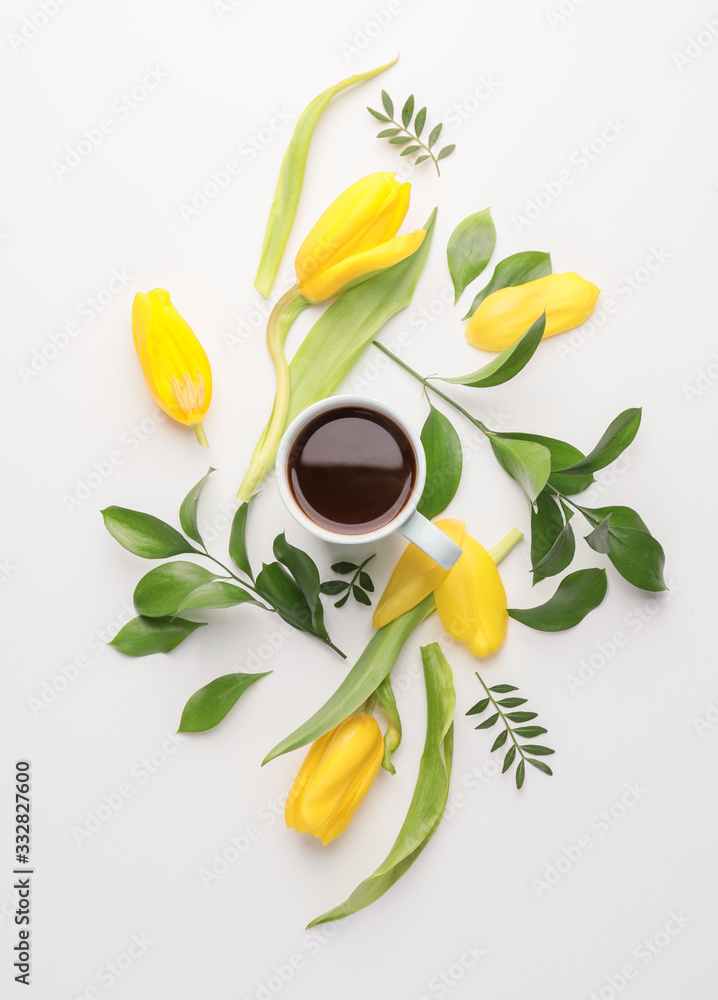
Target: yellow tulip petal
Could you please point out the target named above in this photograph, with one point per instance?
(325, 284)
(353, 210)
(293, 807)
(415, 576)
(471, 601)
(507, 313)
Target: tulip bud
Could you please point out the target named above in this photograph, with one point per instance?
(174, 363)
(506, 314)
(334, 778)
(472, 601)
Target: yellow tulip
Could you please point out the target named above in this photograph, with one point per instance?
(415, 576)
(471, 601)
(356, 237)
(507, 313)
(174, 363)
(334, 778)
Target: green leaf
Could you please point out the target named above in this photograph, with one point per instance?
(218, 595)
(546, 526)
(430, 793)
(161, 591)
(407, 111)
(278, 588)
(599, 539)
(342, 601)
(400, 140)
(446, 151)
(517, 269)
(366, 581)
(291, 178)
(362, 680)
(520, 773)
(562, 454)
(521, 716)
(528, 732)
(435, 133)
(419, 122)
(479, 707)
(142, 636)
(443, 463)
(635, 553)
(344, 567)
(536, 750)
(503, 688)
(540, 765)
(420, 159)
(470, 247)
(378, 115)
(488, 723)
(509, 363)
(143, 534)
(409, 150)
(511, 702)
(360, 596)
(334, 587)
(558, 557)
(500, 740)
(304, 570)
(386, 133)
(577, 594)
(208, 706)
(392, 736)
(238, 539)
(509, 758)
(527, 462)
(616, 438)
(388, 103)
(188, 510)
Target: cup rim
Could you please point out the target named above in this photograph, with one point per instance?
(285, 492)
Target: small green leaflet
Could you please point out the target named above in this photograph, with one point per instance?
(524, 732)
(238, 539)
(208, 706)
(188, 510)
(142, 636)
(528, 462)
(577, 594)
(430, 793)
(630, 546)
(517, 269)
(509, 363)
(143, 534)
(616, 438)
(401, 133)
(442, 448)
(470, 247)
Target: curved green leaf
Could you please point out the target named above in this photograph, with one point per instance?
(238, 539)
(143, 534)
(528, 462)
(470, 245)
(161, 591)
(577, 594)
(392, 736)
(142, 636)
(635, 553)
(188, 510)
(208, 706)
(562, 454)
(558, 557)
(362, 680)
(616, 438)
(407, 111)
(546, 526)
(442, 448)
(291, 178)
(430, 793)
(514, 270)
(306, 575)
(509, 363)
(218, 594)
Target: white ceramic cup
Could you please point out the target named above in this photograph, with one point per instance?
(408, 521)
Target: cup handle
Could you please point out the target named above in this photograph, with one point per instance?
(430, 539)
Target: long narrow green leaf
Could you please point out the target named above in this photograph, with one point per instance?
(291, 178)
(430, 793)
(333, 345)
(392, 736)
(362, 680)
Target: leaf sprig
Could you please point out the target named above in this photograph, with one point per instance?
(525, 751)
(358, 590)
(400, 134)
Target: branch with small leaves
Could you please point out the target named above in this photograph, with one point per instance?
(525, 732)
(358, 590)
(400, 134)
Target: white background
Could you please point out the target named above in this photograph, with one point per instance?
(520, 89)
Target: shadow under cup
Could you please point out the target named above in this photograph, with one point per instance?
(351, 469)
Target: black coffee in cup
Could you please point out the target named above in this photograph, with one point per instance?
(351, 469)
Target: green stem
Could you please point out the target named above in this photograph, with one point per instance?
(283, 315)
(200, 434)
(234, 576)
(505, 721)
(502, 548)
(427, 385)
